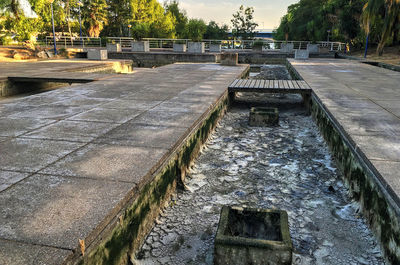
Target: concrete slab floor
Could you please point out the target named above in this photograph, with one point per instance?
(74, 131)
(93, 143)
(57, 211)
(30, 155)
(109, 162)
(143, 135)
(12, 252)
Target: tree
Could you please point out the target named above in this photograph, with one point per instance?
(180, 16)
(118, 17)
(312, 19)
(195, 29)
(215, 32)
(389, 12)
(154, 18)
(94, 15)
(243, 24)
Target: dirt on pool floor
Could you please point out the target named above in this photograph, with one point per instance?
(287, 167)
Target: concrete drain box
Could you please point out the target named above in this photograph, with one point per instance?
(252, 236)
(263, 116)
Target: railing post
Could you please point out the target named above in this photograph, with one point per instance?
(65, 42)
(332, 46)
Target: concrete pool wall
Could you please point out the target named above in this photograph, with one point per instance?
(380, 210)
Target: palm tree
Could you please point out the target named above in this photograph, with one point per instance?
(392, 17)
(389, 10)
(94, 14)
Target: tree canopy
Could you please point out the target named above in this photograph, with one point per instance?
(243, 24)
(343, 20)
(119, 18)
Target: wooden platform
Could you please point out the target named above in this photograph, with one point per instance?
(269, 86)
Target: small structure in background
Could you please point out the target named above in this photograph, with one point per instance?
(287, 47)
(313, 48)
(215, 47)
(301, 54)
(140, 46)
(252, 236)
(260, 116)
(114, 47)
(96, 54)
(229, 59)
(196, 47)
(179, 47)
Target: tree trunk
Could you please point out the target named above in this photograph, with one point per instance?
(14, 8)
(379, 49)
(396, 36)
(68, 17)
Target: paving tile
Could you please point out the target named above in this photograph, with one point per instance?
(110, 162)
(167, 118)
(83, 100)
(8, 178)
(76, 131)
(18, 253)
(367, 121)
(131, 104)
(144, 135)
(30, 155)
(379, 146)
(107, 115)
(48, 112)
(182, 107)
(18, 126)
(390, 172)
(57, 211)
(160, 96)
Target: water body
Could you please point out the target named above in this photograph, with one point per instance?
(287, 167)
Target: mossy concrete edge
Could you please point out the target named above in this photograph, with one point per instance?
(365, 184)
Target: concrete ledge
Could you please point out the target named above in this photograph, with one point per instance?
(150, 59)
(374, 63)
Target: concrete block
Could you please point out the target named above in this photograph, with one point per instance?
(95, 54)
(302, 54)
(324, 50)
(140, 46)
(179, 47)
(252, 236)
(287, 47)
(196, 47)
(215, 47)
(313, 48)
(263, 116)
(229, 59)
(111, 47)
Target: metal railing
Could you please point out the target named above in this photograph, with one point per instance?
(123, 41)
(71, 42)
(268, 45)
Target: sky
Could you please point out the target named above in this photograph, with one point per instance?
(267, 13)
